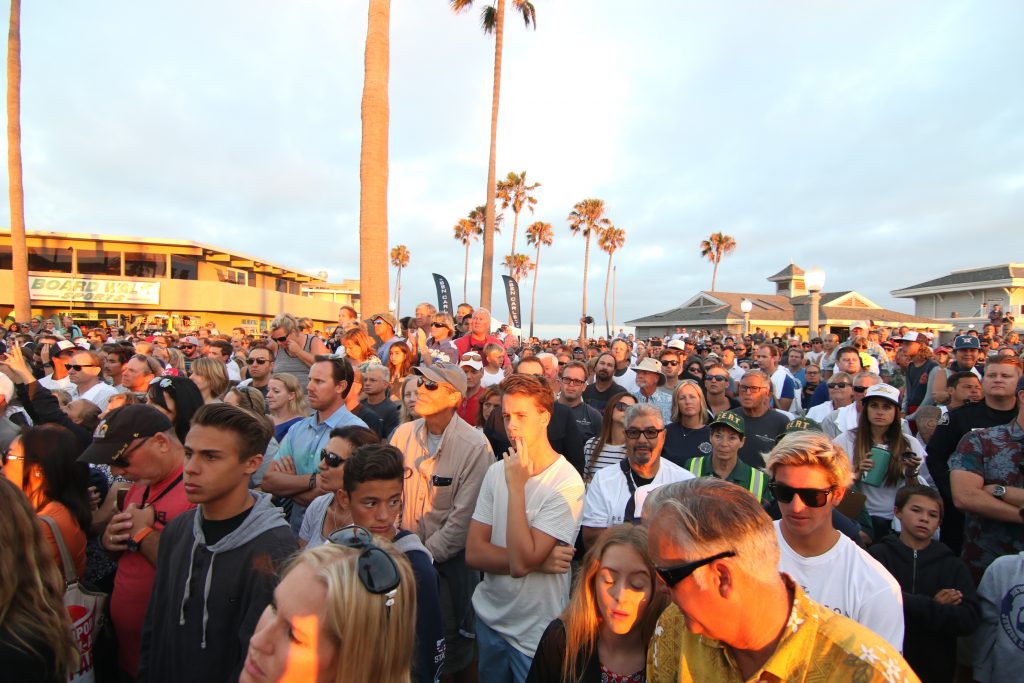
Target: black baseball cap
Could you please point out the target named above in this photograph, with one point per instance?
(120, 428)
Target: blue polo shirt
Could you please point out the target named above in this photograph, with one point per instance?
(307, 438)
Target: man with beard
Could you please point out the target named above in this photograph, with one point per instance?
(604, 387)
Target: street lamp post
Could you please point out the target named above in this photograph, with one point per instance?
(746, 306)
(815, 281)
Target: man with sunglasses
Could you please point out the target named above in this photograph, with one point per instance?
(191, 348)
(84, 372)
(614, 492)
(447, 459)
(139, 443)
(671, 367)
(735, 616)
(810, 476)
(261, 367)
(844, 419)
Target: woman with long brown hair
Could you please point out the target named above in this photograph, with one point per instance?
(400, 361)
(608, 447)
(358, 346)
(604, 631)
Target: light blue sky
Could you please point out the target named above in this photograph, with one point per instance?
(882, 141)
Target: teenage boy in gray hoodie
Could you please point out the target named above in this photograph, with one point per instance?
(218, 564)
(373, 482)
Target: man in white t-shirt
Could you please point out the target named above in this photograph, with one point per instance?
(616, 492)
(84, 372)
(809, 478)
(522, 535)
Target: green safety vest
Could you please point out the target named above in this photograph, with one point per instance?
(756, 485)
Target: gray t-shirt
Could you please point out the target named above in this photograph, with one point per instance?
(761, 435)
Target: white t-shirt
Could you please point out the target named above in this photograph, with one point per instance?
(849, 582)
(99, 395)
(234, 374)
(820, 411)
(488, 379)
(608, 493)
(521, 608)
(627, 380)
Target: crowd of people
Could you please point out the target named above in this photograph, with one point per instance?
(434, 499)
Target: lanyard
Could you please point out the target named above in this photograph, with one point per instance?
(145, 494)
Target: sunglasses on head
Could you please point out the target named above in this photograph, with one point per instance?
(673, 575)
(376, 568)
(812, 498)
(333, 459)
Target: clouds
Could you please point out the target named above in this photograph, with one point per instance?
(844, 135)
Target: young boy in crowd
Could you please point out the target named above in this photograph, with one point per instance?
(939, 599)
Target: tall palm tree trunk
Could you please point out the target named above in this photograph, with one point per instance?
(586, 266)
(487, 269)
(714, 274)
(607, 280)
(465, 275)
(533, 297)
(398, 294)
(515, 229)
(19, 249)
(373, 163)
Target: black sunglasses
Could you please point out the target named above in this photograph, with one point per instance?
(838, 385)
(673, 575)
(422, 381)
(186, 347)
(670, 363)
(333, 459)
(445, 326)
(376, 568)
(78, 368)
(257, 361)
(812, 498)
(651, 433)
(860, 390)
(280, 340)
(716, 378)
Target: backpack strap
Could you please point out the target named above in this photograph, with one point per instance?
(70, 575)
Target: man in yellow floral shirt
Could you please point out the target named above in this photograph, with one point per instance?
(735, 617)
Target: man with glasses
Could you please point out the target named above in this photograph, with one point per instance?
(385, 328)
(191, 348)
(84, 372)
(598, 394)
(261, 367)
(446, 459)
(138, 442)
(844, 419)
(218, 563)
(616, 493)
(377, 392)
(734, 616)
(671, 367)
(810, 476)
(763, 425)
(574, 381)
(840, 391)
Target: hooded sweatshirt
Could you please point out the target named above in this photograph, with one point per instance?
(929, 641)
(207, 599)
(429, 627)
(999, 645)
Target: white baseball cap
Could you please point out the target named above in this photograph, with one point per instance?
(886, 391)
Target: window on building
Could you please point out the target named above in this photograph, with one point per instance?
(6, 261)
(137, 264)
(49, 259)
(236, 277)
(98, 262)
(281, 285)
(184, 267)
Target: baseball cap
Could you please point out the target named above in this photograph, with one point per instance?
(194, 341)
(65, 345)
(731, 420)
(886, 391)
(120, 428)
(444, 372)
(911, 337)
(802, 424)
(676, 344)
(966, 341)
(386, 317)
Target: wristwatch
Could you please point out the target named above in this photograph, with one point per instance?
(999, 491)
(135, 542)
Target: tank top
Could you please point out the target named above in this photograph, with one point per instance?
(284, 362)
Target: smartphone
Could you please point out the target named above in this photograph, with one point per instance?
(121, 495)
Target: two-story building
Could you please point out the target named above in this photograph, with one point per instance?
(965, 297)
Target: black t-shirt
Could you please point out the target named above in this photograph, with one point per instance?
(598, 400)
(761, 435)
(214, 530)
(387, 411)
(917, 382)
(588, 419)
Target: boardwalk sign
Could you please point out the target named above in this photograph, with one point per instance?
(93, 290)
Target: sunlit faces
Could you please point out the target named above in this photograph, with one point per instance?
(524, 419)
(725, 443)
(799, 519)
(375, 505)
(199, 381)
(322, 391)
(473, 377)
(574, 381)
(261, 363)
(331, 477)
(135, 375)
(480, 323)
(213, 468)
(1000, 380)
(604, 370)
(967, 389)
(291, 641)
(143, 465)
(647, 381)
(920, 517)
(881, 413)
(753, 391)
(688, 401)
(278, 395)
(848, 361)
(623, 588)
(642, 450)
(813, 374)
(433, 401)
(620, 350)
(409, 397)
(621, 406)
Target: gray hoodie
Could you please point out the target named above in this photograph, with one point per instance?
(999, 642)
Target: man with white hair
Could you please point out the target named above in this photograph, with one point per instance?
(735, 616)
(376, 387)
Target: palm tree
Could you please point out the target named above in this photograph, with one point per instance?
(373, 163)
(492, 19)
(519, 266)
(399, 259)
(541, 234)
(714, 248)
(610, 241)
(514, 192)
(479, 218)
(587, 217)
(16, 190)
(466, 231)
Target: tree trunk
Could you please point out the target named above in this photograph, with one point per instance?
(465, 276)
(615, 281)
(533, 297)
(515, 229)
(586, 266)
(398, 294)
(373, 164)
(714, 274)
(607, 279)
(487, 268)
(16, 190)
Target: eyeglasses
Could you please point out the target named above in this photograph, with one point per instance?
(257, 361)
(280, 340)
(120, 458)
(673, 575)
(186, 347)
(573, 382)
(376, 568)
(860, 390)
(333, 459)
(813, 498)
(422, 381)
(650, 433)
(670, 363)
(838, 385)
(622, 405)
(716, 378)
(78, 368)
(751, 389)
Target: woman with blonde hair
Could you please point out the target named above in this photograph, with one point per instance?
(341, 614)
(286, 401)
(604, 631)
(688, 435)
(439, 338)
(35, 631)
(211, 377)
(176, 360)
(358, 346)
(294, 351)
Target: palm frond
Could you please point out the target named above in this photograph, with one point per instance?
(488, 18)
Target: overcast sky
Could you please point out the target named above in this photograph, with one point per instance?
(882, 141)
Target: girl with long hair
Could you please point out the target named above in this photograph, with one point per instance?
(608, 447)
(176, 397)
(35, 631)
(330, 621)
(211, 377)
(879, 442)
(489, 400)
(400, 362)
(604, 631)
(286, 401)
(688, 435)
(358, 346)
